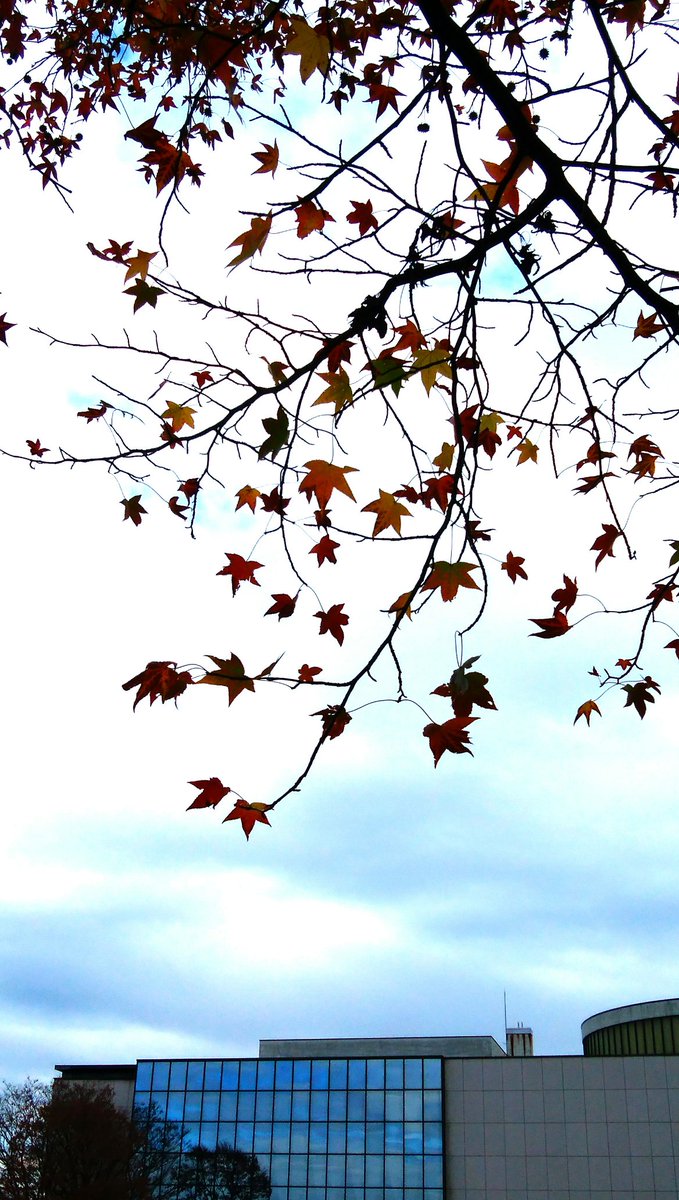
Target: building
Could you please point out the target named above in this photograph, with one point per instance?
(441, 1118)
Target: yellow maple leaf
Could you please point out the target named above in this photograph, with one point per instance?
(430, 363)
(179, 415)
(312, 46)
(338, 391)
(527, 450)
(444, 460)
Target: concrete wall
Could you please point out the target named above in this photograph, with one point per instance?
(421, 1047)
(562, 1129)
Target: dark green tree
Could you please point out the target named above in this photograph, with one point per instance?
(222, 1174)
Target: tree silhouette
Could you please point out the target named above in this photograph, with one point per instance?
(221, 1174)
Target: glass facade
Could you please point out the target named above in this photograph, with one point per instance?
(321, 1129)
(652, 1035)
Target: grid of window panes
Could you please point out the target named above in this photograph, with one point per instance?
(322, 1129)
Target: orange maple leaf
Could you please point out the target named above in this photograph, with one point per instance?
(388, 513)
(310, 217)
(585, 710)
(324, 478)
(248, 815)
(450, 577)
(647, 327)
(252, 241)
(247, 495)
(268, 157)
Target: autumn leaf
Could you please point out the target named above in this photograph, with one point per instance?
(444, 460)
(248, 815)
(402, 604)
(241, 570)
(387, 371)
(565, 597)
(605, 542)
(178, 415)
(514, 567)
(673, 645)
(362, 216)
(178, 509)
(428, 364)
(35, 448)
(451, 735)
(450, 577)
(5, 326)
(273, 502)
(189, 487)
(551, 627)
(388, 513)
(383, 96)
(335, 720)
(278, 429)
(230, 674)
(138, 264)
(411, 338)
(466, 688)
(528, 451)
(158, 679)
(338, 354)
(437, 490)
(268, 157)
(323, 479)
(585, 710)
(306, 674)
(338, 391)
(133, 510)
(211, 791)
(247, 496)
(283, 605)
(648, 326)
(325, 550)
(252, 241)
(310, 218)
(93, 414)
(332, 621)
(639, 695)
(312, 46)
(143, 294)
(202, 377)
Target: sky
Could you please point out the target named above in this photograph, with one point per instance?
(387, 898)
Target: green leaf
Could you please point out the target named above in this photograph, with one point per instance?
(278, 429)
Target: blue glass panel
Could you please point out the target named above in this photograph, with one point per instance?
(178, 1076)
(297, 1193)
(279, 1169)
(374, 1170)
(175, 1106)
(338, 1073)
(245, 1132)
(159, 1101)
(415, 1193)
(210, 1106)
(316, 1193)
(432, 1106)
(265, 1075)
(213, 1076)
(355, 1171)
(299, 1137)
(300, 1106)
(264, 1161)
(227, 1107)
(393, 1137)
(298, 1169)
(319, 1073)
(227, 1133)
(283, 1073)
(318, 1136)
(142, 1100)
(433, 1194)
(246, 1106)
(302, 1074)
(337, 1106)
(248, 1076)
(144, 1070)
(208, 1135)
(375, 1072)
(193, 1105)
(319, 1106)
(433, 1170)
(337, 1137)
(194, 1076)
(394, 1072)
(161, 1076)
(262, 1137)
(356, 1106)
(355, 1137)
(432, 1072)
(281, 1137)
(334, 1193)
(336, 1170)
(413, 1137)
(413, 1072)
(355, 1193)
(191, 1134)
(316, 1169)
(393, 1109)
(393, 1170)
(433, 1137)
(264, 1110)
(375, 1106)
(374, 1194)
(229, 1076)
(282, 1106)
(279, 1193)
(374, 1137)
(413, 1106)
(357, 1073)
(413, 1170)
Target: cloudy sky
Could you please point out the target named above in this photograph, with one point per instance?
(388, 897)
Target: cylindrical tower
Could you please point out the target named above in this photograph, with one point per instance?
(650, 1028)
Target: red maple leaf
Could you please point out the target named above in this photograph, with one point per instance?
(339, 354)
(211, 791)
(551, 627)
(513, 565)
(440, 488)
(158, 679)
(565, 597)
(306, 673)
(202, 377)
(605, 542)
(35, 447)
(451, 735)
(332, 621)
(133, 510)
(273, 502)
(4, 326)
(189, 487)
(323, 478)
(673, 645)
(178, 509)
(93, 414)
(362, 216)
(639, 694)
(325, 549)
(283, 606)
(241, 570)
(310, 217)
(335, 720)
(248, 815)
